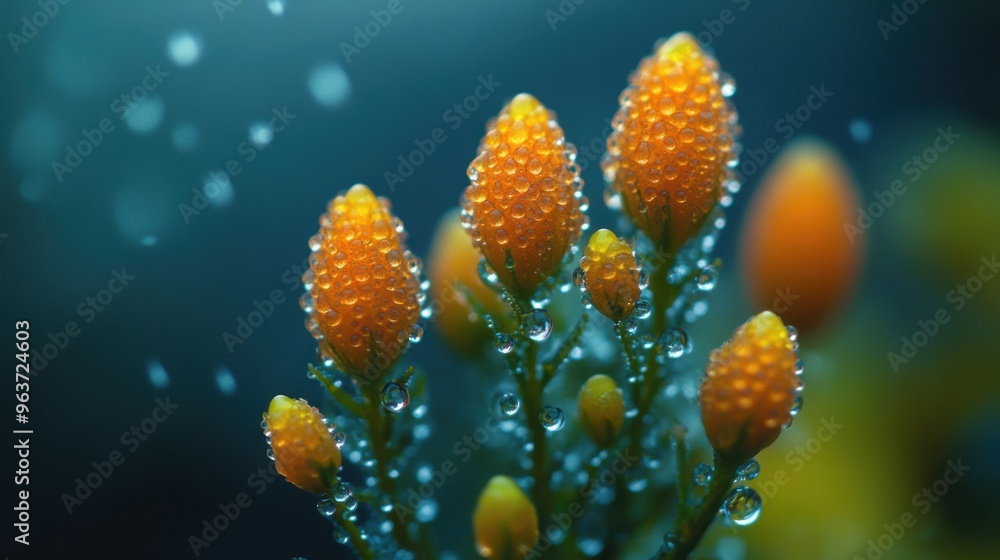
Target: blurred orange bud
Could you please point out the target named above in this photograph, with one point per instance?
(524, 207)
(505, 521)
(610, 275)
(673, 137)
(453, 260)
(798, 256)
(602, 409)
(750, 388)
(303, 448)
(364, 285)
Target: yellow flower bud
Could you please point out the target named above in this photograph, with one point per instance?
(610, 275)
(602, 409)
(750, 388)
(505, 521)
(363, 301)
(674, 135)
(304, 450)
(523, 207)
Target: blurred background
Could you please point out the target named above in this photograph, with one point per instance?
(163, 165)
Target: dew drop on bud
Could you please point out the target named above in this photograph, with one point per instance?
(793, 333)
(537, 324)
(339, 438)
(799, 367)
(504, 343)
(703, 474)
(630, 325)
(742, 506)
(578, 277)
(351, 503)
(416, 334)
(796, 405)
(342, 491)
(508, 404)
(394, 396)
(326, 508)
(642, 309)
(552, 418)
(707, 278)
(748, 471)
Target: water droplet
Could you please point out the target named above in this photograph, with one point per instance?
(799, 367)
(670, 542)
(394, 396)
(552, 418)
(579, 277)
(416, 334)
(642, 309)
(508, 404)
(643, 279)
(427, 511)
(509, 263)
(748, 471)
(793, 333)
(329, 85)
(341, 535)
(537, 324)
(504, 343)
(707, 278)
(796, 405)
(326, 508)
(342, 491)
(742, 506)
(630, 325)
(487, 275)
(270, 453)
(674, 342)
(703, 474)
(351, 503)
(276, 7)
(727, 84)
(184, 48)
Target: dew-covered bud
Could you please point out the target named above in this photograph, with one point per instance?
(453, 261)
(673, 137)
(303, 448)
(610, 275)
(523, 206)
(800, 256)
(505, 521)
(749, 388)
(364, 285)
(602, 409)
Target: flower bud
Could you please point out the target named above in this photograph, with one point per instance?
(364, 285)
(505, 521)
(304, 450)
(800, 256)
(610, 275)
(453, 260)
(523, 207)
(673, 138)
(749, 388)
(602, 409)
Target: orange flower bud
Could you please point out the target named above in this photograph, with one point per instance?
(303, 448)
(524, 208)
(750, 388)
(610, 275)
(505, 521)
(602, 409)
(799, 257)
(453, 260)
(364, 285)
(673, 137)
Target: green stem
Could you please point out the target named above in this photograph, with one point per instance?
(691, 528)
(353, 533)
(531, 389)
(379, 433)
